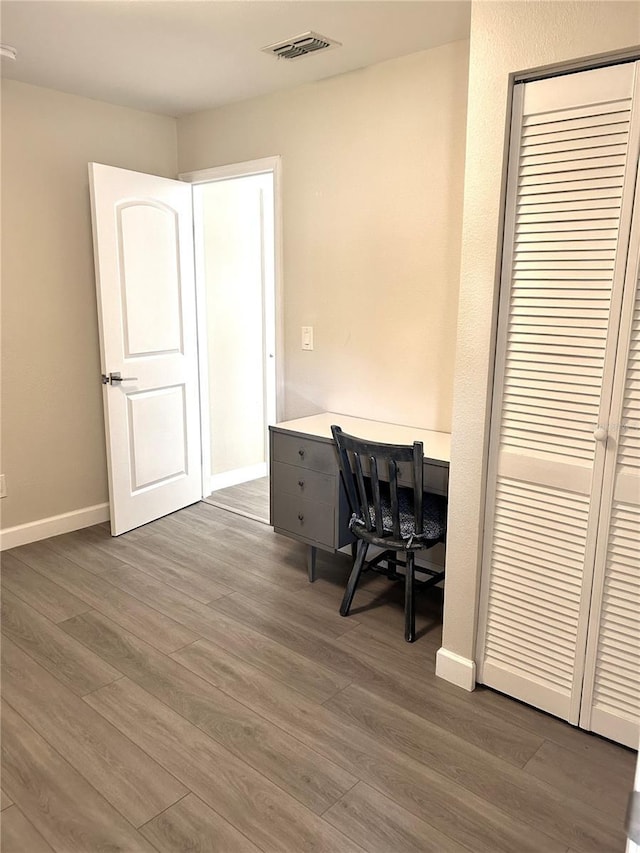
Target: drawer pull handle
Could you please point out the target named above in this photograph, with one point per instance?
(300, 517)
(301, 453)
(301, 483)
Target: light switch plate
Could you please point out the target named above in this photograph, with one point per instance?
(307, 337)
(3, 486)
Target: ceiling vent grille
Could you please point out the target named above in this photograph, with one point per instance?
(302, 45)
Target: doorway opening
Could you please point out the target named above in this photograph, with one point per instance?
(236, 250)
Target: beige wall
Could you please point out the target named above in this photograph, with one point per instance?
(372, 174)
(372, 169)
(505, 37)
(53, 450)
(233, 263)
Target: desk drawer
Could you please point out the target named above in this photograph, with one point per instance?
(303, 482)
(309, 519)
(304, 452)
(436, 478)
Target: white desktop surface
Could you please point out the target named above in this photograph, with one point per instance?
(436, 445)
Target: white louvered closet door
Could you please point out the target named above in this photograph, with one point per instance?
(611, 697)
(570, 187)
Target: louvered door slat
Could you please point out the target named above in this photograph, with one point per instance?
(568, 174)
(560, 120)
(576, 153)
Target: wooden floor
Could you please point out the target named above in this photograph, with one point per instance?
(251, 499)
(183, 688)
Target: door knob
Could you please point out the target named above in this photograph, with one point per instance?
(114, 378)
(600, 434)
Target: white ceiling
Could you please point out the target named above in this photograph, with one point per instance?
(178, 56)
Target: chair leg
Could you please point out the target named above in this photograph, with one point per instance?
(363, 547)
(409, 610)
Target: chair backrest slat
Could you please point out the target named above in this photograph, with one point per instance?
(393, 487)
(418, 475)
(363, 501)
(377, 498)
(382, 459)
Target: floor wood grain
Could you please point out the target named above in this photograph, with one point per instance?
(158, 562)
(262, 811)
(124, 774)
(533, 801)
(75, 547)
(145, 622)
(71, 662)
(251, 498)
(183, 689)
(606, 789)
(17, 835)
(312, 679)
(444, 706)
(39, 592)
(312, 779)
(192, 826)
(379, 825)
(411, 784)
(57, 801)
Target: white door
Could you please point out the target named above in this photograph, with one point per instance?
(143, 246)
(572, 171)
(611, 697)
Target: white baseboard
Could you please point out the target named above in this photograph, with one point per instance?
(456, 669)
(23, 534)
(239, 475)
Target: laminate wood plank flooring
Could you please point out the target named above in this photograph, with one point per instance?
(183, 688)
(69, 661)
(182, 573)
(266, 556)
(257, 807)
(251, 498)
(56, 800)
(447, 708)
(191, 825)
(48, 598)
(75, 547)
(145, 622)
(225, 568)
(313, 680)
(562, 769)
(17, 835)
(379, 825)
(124, 774)
(315, 781)
(453, 810)
(539, 804)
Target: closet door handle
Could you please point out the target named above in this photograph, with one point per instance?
(600, 434)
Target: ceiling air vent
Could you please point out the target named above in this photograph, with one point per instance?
(302, 45)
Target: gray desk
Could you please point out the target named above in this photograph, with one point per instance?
(307, 499)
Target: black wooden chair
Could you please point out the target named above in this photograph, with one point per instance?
(401, 519)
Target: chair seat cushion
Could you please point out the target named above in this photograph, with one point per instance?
(434, 517)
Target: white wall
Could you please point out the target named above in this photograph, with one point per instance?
(233, 261)
(372, 168)
(53, 451)
(506, 37)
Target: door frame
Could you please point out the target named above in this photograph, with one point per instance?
(261, 166)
